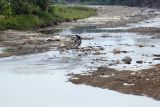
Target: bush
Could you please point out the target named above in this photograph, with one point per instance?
(49, 17)
(20, 22)
(7, 11)
(33, 9)
(1, 5)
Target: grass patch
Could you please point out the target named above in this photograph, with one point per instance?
(56, 14)
(20, 22)
(69, 13)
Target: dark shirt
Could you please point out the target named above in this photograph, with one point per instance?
(78, 40)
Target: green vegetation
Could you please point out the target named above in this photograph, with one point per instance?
(20, 22)
(72, 13)
(28, 14)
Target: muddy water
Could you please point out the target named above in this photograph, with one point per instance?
(40, 80)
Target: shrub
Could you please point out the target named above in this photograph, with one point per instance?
(20, 22)
(37, 17)
(7, 10)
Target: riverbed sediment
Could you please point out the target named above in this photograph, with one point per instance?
(142, 82)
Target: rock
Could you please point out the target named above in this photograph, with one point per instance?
(151, 12)
(106, 36)
(51, 40)
(139, 62)
(116, 51)
(152, 45)
(156, 59)
(127, 60)
(156, 55)
(140, 45)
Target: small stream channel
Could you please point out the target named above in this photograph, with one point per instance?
(39, 80)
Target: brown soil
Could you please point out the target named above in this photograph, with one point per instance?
(143, 82)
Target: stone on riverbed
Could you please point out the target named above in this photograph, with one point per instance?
(139, 62)
(127, 60)
(116, 51)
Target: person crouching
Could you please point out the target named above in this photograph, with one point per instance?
(78, 41)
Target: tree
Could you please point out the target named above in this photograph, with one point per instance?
(20, 6)
(1, 5)
(43, 4)
(7, 10)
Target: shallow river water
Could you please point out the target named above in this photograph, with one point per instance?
(40, 80)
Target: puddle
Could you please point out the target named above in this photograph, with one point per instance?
(40, 80)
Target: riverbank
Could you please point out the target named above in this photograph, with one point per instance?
(116, 16)
(142, 82)
(26, 39)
